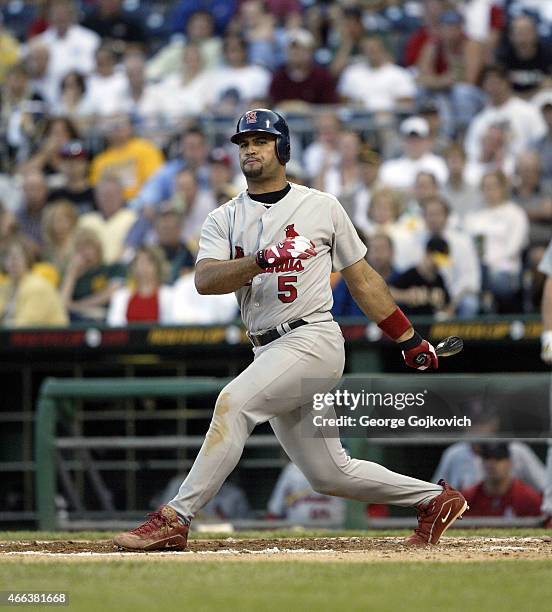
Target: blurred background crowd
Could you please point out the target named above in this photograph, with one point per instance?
(430, 120)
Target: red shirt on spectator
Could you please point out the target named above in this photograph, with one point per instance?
(317, 88)
(143, 308)
(519, 500)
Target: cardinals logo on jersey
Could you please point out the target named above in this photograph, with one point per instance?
(290, 231)
(239, 252)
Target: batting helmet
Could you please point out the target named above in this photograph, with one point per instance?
(264, 120)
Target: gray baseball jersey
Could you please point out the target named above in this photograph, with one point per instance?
(298, 289)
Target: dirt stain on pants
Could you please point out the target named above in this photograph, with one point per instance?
(218, 428)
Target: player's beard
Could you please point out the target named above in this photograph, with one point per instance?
(252, 172)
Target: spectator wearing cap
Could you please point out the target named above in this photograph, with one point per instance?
(236, 82)
(499, 493)
(461, 271)
(74, 169)
(27, 299)
(116, 27)
(376, 83)
(527, 59)
(521, 121)
(112, 220)
(132, 159)
(301, 82)
(461, 464)
(401, 173)
(421, 290)
(543, 145)
(168, 237)
(501, 231)
(441, 73)
(71, 46)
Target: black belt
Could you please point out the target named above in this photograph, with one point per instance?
(275, 333)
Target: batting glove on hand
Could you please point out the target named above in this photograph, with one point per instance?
(419, 353)
(298, 247)
(546, 346)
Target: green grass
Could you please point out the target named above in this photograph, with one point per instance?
(252, 586)
(288, 533)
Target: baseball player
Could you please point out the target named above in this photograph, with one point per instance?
(275, 245)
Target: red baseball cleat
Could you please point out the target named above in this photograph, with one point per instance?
(438, 516)
(161, 530)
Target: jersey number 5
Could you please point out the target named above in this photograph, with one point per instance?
(287, 291)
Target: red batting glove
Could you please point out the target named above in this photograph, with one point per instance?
(297, 247)
(419, 353)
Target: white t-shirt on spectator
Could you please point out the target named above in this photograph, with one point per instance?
(477, 19)
(504, 230)
(251, 82)
(378, 89)
(75, 51)
(181, 100)
(106, 93)
(401, 173)
(191, 308)
(521, 119)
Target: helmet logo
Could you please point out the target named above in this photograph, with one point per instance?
(251, 117)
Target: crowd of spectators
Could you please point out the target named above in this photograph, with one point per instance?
(430, 120)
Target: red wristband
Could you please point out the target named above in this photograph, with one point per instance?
(395, 325)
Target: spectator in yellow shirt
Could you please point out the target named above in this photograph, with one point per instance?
(130, 158)
(27, 299)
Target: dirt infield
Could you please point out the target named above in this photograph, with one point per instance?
(323, 549)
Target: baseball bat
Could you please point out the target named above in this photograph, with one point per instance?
(449, 346)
